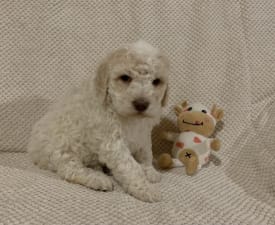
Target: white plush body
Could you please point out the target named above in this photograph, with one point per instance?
(96, 125)
(194, 141)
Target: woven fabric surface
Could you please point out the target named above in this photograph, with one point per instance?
(220, 52)
(31, 196)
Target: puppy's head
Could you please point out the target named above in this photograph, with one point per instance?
(133, 80)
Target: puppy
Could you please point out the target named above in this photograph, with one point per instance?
(107, 121)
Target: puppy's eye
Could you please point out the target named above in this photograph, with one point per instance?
(204, 111)
(156, 82)
(189, 109)
(125, 78)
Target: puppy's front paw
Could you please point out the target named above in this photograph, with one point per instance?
(146, 192)
(97, 181)
(151, 174)
(103, 184)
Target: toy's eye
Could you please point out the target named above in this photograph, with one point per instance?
(156, 82)
(204, 111)
(189, 109)
(125, 78)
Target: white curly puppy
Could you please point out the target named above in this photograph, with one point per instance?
(108, 121)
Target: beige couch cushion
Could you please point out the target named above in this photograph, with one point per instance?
(31, 196)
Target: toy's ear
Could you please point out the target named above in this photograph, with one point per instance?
(217, 113)
(179, 108)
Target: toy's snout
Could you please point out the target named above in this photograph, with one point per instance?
(199, 122)
(195, 118)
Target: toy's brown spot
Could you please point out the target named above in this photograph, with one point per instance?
(197, 140)
(180, 144)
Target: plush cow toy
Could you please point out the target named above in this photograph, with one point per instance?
(192, 146)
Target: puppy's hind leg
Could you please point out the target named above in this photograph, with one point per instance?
(74, 171)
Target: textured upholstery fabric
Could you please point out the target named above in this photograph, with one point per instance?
(220, 51)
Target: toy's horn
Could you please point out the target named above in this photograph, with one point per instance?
(179, 108)
(184, 104)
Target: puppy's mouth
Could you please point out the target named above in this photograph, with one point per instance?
(142, 115)
(135, 114)
(197, 123)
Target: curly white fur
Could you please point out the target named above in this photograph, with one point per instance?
(96, 124)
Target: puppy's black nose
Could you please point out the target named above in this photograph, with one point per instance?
(140, 104)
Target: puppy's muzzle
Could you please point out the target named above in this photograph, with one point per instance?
(140, 104)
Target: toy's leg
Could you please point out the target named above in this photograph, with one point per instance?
(165, 161)
(190, 160)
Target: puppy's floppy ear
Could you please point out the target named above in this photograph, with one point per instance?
(101, 80)
(103, 71)
(165, 97)
(164, 69)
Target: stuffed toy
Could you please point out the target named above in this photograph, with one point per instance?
(192, 146)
